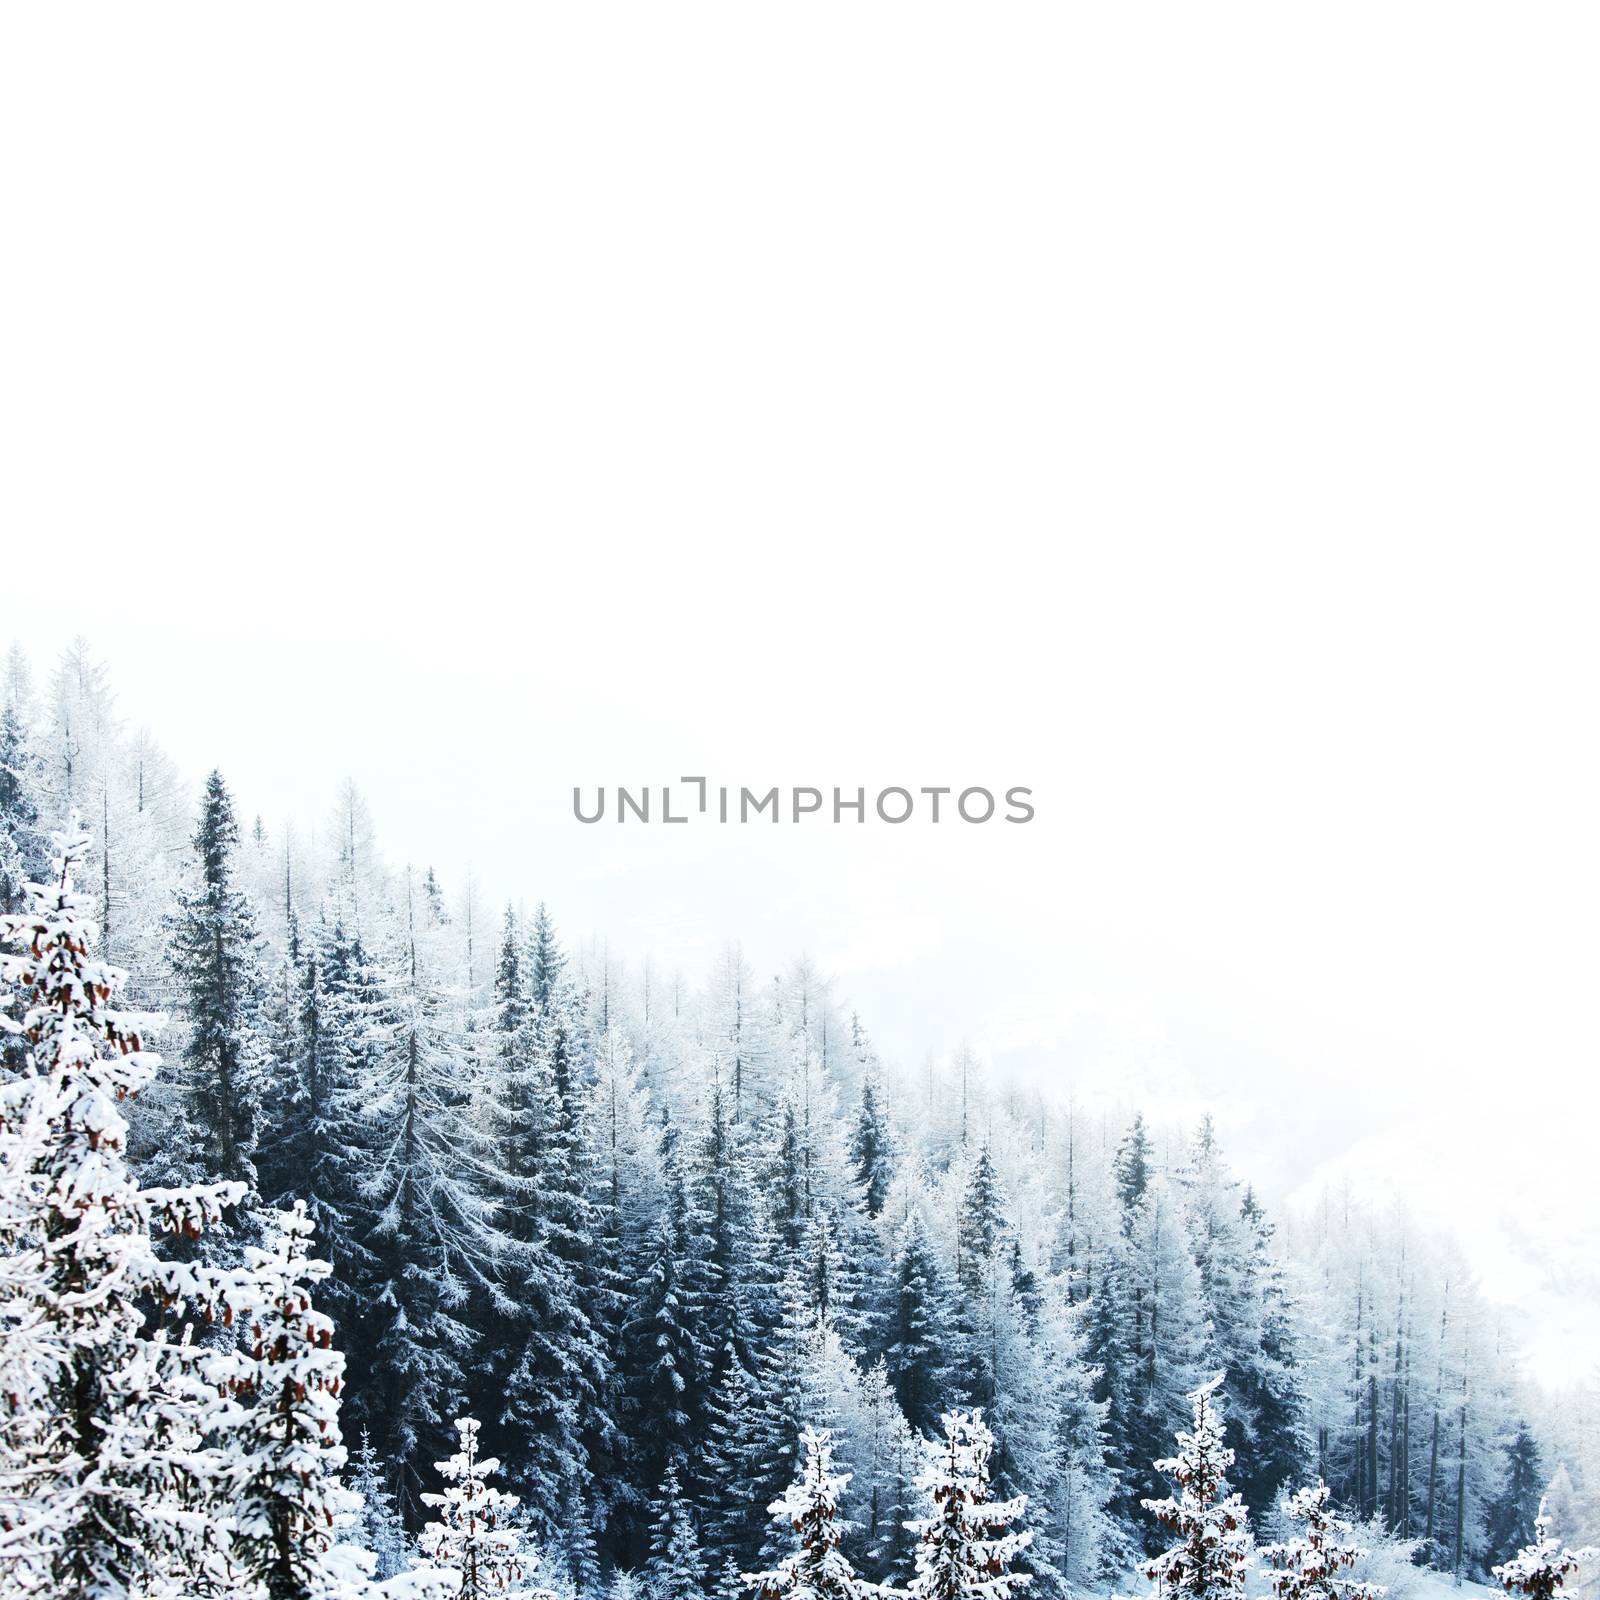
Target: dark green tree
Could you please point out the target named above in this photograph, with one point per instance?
(216, 956)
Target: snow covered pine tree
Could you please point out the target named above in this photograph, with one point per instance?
(963, 1548)
(1307, 1567)
(1213, 1550)
(1540, 1570)
(106, 1487)
(378, 1522)
(674, 1569)
(286, 1451)
(818, 1570)
(475, 1535)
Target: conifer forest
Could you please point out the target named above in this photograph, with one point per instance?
(360, 1236)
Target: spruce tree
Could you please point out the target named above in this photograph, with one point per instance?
(282, 1439)
(377, 1526)
(1165, 1330)
(674, 1566)
(871, 1145)
(318, 1142)
(546, 1358)
(1510, 1518)
(476, 1534)
(1272, 1379)
(982, 1275)
(1130, 1171)
(1213, 1551)
(1307, 1567)
(964, 1547)
(920, 1328)
(24, 856)
(215, 953)
(1540, 1570)
(809, 1510)
(431, 1235)
(730, 1464)
(661, 1352)
(107, 1487)
(1108, 1324)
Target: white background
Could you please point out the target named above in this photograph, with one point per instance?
(1188, 412)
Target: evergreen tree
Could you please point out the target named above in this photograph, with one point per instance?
(282, 1439)
(624, 1164)
(1130, 1171)
(980, 1225)
(888, 1452)
(1165, 1329)
(920, 1328)
(731, 1463)
(1540, 1570)
(377, 1526)
(545, 961)
(1307, 1567)
(674, 1568)
(1511, 1516)
(1223, 1248)
(963, 1548)
(1271, 1378)
(432, 1238)
(787, 1398)
(318, 1141)
(836, 1291)
(476, 1534)
(871, 1146)
(23, 852)
(818, 1570)
(546, 1357)
(1108, 1330)
(215, 953)
(784, 1180)
(106, 1486)
(723, 1204)
(661, 1353)
(1212, 1554)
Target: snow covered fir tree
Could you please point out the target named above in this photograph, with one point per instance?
(476, 1538)
(818, 1569)
(1308, 1565)
(1543, 1568)
(967, 1546)
(412, 1158)
(1213, 1547)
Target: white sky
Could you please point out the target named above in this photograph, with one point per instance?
(1189, 413)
